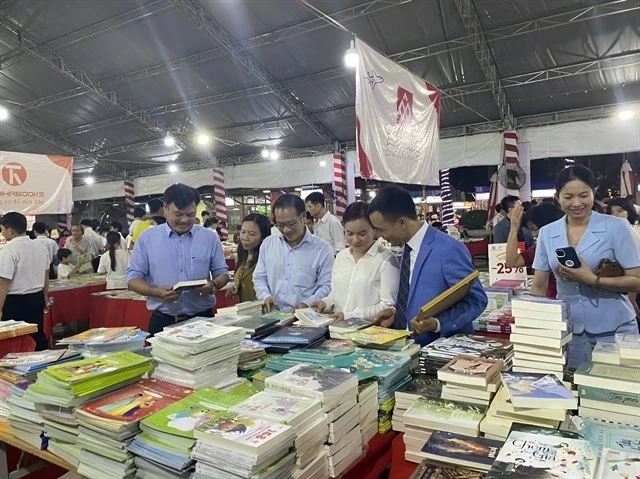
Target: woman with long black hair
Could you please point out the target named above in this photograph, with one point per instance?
(114, 262)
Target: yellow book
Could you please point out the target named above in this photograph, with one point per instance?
(448, 298)
(376, 335)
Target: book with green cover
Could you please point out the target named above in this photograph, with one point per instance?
(92, 369)
(278, 407)
(182, 417)
(607, 395)
(429, 412)
(100, 335)
(607, 376)
(376, 335)
(371, 364)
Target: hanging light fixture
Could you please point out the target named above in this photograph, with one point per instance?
(203, 139)
(4, 113)
(89, 180)
(265, 153)
(169, 140)
(351, 57)
(274, 155)
(173, 168)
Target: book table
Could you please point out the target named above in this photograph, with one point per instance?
(7, 439)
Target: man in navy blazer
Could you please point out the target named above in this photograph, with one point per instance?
(432, 262)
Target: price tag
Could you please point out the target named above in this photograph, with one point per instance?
(498, 268)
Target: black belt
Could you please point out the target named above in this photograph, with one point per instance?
(176, 318)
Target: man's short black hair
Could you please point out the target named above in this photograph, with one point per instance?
(16, 221)
(139, 212)
(39, 227)
(155, 206)
(393, 203)
(290, 201)
(95, 224)
(507, 203)
(117, 226)
(86, 222)
(160, 220)
(315, 198)
(182, 196)
(205, 213)
(63, 253)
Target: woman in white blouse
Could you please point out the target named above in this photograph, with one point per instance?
(365, 275)
(114, 262)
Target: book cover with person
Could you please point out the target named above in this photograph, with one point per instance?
(135, 402)
(470, 370)
(543, 457)
(475, 452)
(471, 345)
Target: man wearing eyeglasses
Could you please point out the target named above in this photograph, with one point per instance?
(294, 267)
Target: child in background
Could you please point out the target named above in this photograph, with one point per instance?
(114, 262)
(65, 268)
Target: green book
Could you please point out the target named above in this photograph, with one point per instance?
(607, 376)
(614, 397)
(182, 417)
(93, 369)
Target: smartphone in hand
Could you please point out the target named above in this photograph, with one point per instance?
(568, 257)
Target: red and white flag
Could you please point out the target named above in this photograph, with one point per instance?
(397, 121)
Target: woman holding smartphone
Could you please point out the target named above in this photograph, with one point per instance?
(598, 307)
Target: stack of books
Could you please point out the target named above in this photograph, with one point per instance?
(292, 337)
(233, 445)
(247, 307)
(107, 426)
(474, 453)
(284, 318)
(540, 335)
(495, 321)
(608, 392)
(250, 350)
(427, 470)
(629, 349)
(438, 353)
(24, 420)
(346, 326)
(256, 327)
(377, 337)
(368, 403)
(198, 354)
(305, 415)
(163, 448)
(100, 341)
(470, 379)
(309, 317)
(322, 354)
(528, 398)
(338, 391)
(540, 455)
(28, 364)
(427, 415)
(12, 328)
(406, 396)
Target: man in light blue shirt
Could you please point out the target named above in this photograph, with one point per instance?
(174, 252)
(294, 267)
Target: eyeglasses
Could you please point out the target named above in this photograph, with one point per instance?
(291, 224)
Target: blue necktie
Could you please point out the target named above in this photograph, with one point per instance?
(403, 289)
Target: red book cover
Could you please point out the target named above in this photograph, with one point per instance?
(136, 402)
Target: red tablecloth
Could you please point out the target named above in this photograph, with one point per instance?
(70, 305)
(19, 344)
(377, 459)
(478, 248)
(109, 312)
(400, 469)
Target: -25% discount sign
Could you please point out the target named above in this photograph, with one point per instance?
(498, 268)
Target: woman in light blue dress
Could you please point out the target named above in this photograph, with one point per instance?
(598, 307)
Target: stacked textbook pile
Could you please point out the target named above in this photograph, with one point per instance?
(292, 337)
(305, 415)
(339, 329)
(244, 308)
(438, 353)
(406, 396)
(100, 341)
(198, 354)
(230, 445)
(309, 317)
(107, 426)
(528, 398)
(470, 379)
(609, 392)
(427, 415)
(540, 335)
(338, 392)
(24, 419)
(368, 402)
(322, 354)
(163, 448)
(62, 387)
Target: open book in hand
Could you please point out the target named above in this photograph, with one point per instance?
(188, 285)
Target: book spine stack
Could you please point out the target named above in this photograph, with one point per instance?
(368, 403)
(540, 337)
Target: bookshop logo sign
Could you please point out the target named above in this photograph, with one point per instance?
(14, 174)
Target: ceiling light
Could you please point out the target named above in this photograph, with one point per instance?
(351, 57)
(89, 180)
(266, 191)
(173, 168)
(169, 140)
(207, 196)
(298, 189)
(264, 153)
(203, 139)
(4, 113)
(274, 155)
(323, 164)
(626, 115)
(115, 204)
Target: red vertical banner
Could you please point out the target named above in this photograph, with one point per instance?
(129, 200)
(340, 184)
(220, 196)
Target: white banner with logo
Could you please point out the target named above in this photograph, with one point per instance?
(35, 184)
(397, 121)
